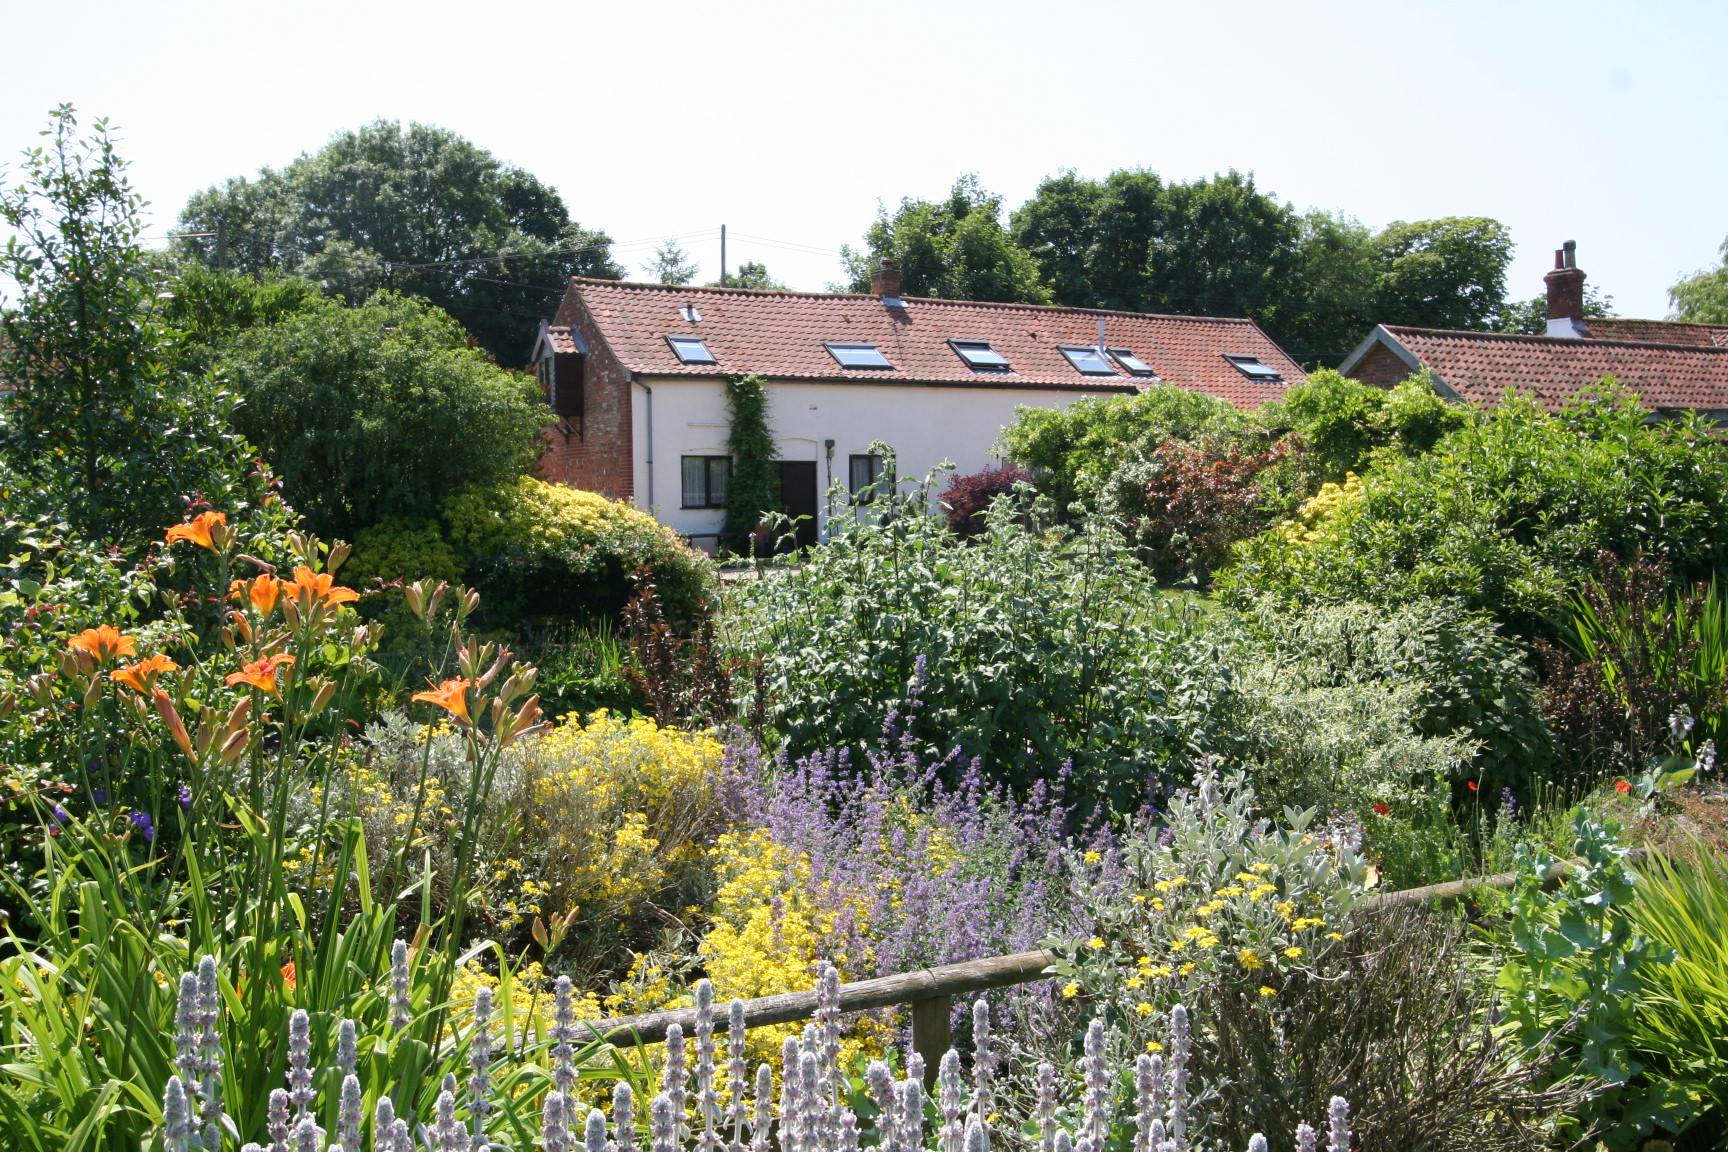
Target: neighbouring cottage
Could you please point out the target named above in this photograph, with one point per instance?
(1674, 367)
(636, 372)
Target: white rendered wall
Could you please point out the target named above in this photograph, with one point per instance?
(924, 425)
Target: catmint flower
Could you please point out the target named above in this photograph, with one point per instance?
(1063, 1142)
(983, 1058)
(447, 1133)
(146, 827)
(300, 1064)
(909, 1120)
(1095, 1122)
(594, 1135)
(383, 1122)
(1338, 1126)
(1307, 1140)
(251, 1146)
(347, 1051)
(663, 1124)
(1046, 1107)
(1257, 1143)
(176, 1116)
(307, 1135)
(828, 1023)
(399, 1006)
(348, 1112)
(401, 1136)
(623, 1118)
(672, 1076)
(952, 1137)
(707, 1101)
(276, 1121)
(187, 1029)
(847, 1127)
(879, 1083)
(791, 1101)
(1508, 804)
(563, 1036)
(183, 797)
(1146, 1102)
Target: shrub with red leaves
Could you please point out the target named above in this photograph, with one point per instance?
(1185, 506)
(967, 498)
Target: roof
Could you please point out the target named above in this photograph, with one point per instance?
(1481, 366)
(782, 335)
(559, 337)
(1657, 332)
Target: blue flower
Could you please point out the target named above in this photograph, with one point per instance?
(145, 826)
(60, 814)
(184, 797)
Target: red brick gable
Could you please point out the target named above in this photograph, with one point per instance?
(782, 335)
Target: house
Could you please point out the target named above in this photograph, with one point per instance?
(1674, 367)
(636, 376)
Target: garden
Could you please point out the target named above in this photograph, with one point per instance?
(1354, 760)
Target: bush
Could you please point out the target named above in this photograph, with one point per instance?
(543, 552)
(1341, 422)
(1026, 648)
(1509, 513)
(967, 498)
(379, 410)
(397, 548)
(1185, 507)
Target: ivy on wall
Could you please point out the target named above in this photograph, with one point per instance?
(754, 488)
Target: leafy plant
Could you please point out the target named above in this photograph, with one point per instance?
(753, 488)
(967, 498)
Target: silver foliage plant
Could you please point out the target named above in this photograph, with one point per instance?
(811, 1113)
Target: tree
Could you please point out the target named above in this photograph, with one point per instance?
(102, 424)
(417, 210)
(751, 275)
(671, 265)
(1331, 305)
(1446, 273)
(1703, 296)
(956, 249)
(379, 410)
(1225, 249)
(1530, 317)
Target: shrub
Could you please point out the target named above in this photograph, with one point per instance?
(379, 410)
(397, 548)
(1509, 513)
(967, 498)
(545, 551)
(1185, 507)
(1024, 648)
(1341, 422)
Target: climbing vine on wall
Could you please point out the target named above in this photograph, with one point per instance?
(754, 488)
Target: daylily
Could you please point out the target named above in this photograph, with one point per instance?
(451, 695)
(263, 592)
(141, 677)
(200, 530)
(308, 584)
(103, 643)
(261, 674)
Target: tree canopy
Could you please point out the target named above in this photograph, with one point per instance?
(955, 248)
(1703, 296)
(671, 265)
(418, 210)
(751, 274)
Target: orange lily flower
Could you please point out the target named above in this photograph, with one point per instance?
(308, 584)
(451, 695)
(261, 674)
(141, 677)
(104, 643)
(199, 530)
(263, 592)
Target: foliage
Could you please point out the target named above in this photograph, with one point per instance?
(1184, 508)
(753, 488)
(1027, 648)
(1702, 297)
(751, 274)
(100, 426)
(1509, 513)
(420, 211)
(1446, 273)
(1530, 317)
(956, 249)
(209, 306)
(1336, 276)
(1340, 422)
(1074, 452)
(967, 498)
(583, 669)
(399, 548)
(671, 265)
(679, 679)
(546, 551)
(379, 410)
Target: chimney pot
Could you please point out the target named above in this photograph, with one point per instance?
(885, 280)
(1566, 293)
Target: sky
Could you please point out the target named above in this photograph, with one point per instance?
(1604, 123)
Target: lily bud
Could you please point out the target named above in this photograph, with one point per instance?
(326, 688)
(176, 729)
(467, 601)
(338, 554)
(242, 625)
(416, 599)
(93, 692)
(41, 688)
(8, 701)
(233, 746)
(237, 718)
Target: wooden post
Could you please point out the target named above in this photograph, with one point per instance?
(930, 1036)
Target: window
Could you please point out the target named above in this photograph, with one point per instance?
(862, 472)
(705, 480)
(1251, 367)
(690, 349)
(1133, 363)
(979, 356)
(1088, 361)
(858, 355)
(548, 381)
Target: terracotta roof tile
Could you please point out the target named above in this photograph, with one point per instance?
(1658, 332)
(782, 335)
(1481, 366)
(559, 337)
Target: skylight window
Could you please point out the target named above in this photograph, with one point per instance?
(1135, 365)
(1088, 361)
(690, 350)
(979, 356)
(858, 355)
(1251, 367)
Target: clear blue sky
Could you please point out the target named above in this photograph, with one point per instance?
(1600, 122)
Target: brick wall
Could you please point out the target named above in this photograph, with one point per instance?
(597, 456)
(1381, 368)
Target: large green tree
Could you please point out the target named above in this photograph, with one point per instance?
(955, 248)
(379, 410)
(1703, 297)
(1446, 273)
(418, 210)
(103, 424)
(1226, 249)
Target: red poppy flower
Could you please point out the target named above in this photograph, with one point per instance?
(1382, 809)
(1622, 787)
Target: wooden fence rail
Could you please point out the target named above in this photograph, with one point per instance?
(930, 992)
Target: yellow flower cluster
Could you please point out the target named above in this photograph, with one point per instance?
(1319, 512)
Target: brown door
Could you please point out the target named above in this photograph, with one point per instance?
(798, 497)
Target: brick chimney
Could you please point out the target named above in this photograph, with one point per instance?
(1566, 294)
(885, 280)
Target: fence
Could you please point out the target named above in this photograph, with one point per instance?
(930, 992)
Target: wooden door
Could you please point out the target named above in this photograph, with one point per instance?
(798, 497)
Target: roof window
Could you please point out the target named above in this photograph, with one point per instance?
(979, 356)
(1135, 365)
(1251, 367)
(858, 355)
(690, 350)
(1088, 361)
